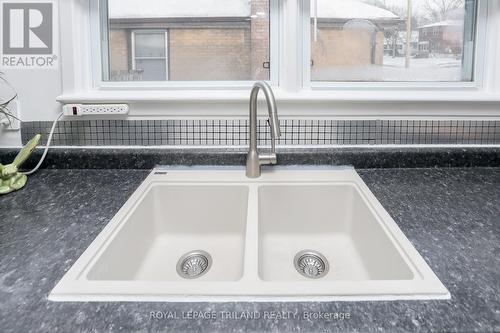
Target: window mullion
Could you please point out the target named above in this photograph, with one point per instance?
(132, 50)
(306, 43)
(104, 36)
(167, 57)
(291, 52)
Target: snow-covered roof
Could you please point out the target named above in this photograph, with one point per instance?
(350, 9)
(445, 23)
(334, 9)
(178, 8)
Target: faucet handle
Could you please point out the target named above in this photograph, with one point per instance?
(265, 159)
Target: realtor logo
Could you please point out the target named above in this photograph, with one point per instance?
(28, 34)
(27, 28)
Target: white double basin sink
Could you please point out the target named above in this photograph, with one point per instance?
(215, 235)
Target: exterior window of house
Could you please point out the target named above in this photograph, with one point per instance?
(179, 40)
(149, 56)
(371, 40)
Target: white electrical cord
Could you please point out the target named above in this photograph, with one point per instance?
(49, 140)
(4, 121)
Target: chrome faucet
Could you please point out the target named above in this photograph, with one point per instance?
(254, 159)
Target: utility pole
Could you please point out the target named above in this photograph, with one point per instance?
(408, 34)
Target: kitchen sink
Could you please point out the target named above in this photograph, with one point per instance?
(171, 221)
(212, 234)
(336, 222)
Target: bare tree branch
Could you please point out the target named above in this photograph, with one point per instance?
(438, 10)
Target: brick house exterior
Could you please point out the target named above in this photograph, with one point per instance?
(445, 37)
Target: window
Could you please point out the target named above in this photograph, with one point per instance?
(181, 40)
(373, 40)
(202, 45)
(149, 57)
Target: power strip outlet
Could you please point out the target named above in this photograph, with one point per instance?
(95, 109)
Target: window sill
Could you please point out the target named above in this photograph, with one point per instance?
(304, 96)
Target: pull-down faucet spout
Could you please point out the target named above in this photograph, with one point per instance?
(254, 159)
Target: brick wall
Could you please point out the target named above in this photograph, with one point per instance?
(345, 47)
(118, 49)
(195, 54)
(209, 54)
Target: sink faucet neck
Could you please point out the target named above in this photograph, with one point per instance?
(254, 159)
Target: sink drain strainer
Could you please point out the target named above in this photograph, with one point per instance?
(194, 264)
(311, 264)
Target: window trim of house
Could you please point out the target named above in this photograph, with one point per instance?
(475, 85)
(97, 21)
(133, 56)
(80, 62)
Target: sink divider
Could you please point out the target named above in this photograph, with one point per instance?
(251, 255)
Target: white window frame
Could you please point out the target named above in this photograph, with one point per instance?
(81, 64)
(150, 31)
(471, 86)
(97, 46)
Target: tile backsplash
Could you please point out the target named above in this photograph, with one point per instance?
(295, 132)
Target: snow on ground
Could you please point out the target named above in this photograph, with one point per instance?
(437, 62)
(423, 69)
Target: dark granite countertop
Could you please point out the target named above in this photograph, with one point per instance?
(452, 216)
